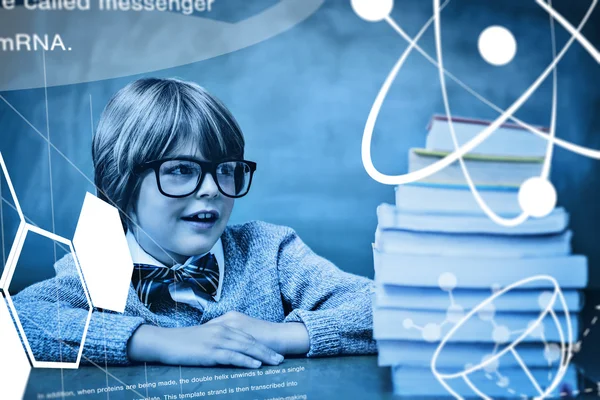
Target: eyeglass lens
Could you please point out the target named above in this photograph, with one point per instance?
(180, 177)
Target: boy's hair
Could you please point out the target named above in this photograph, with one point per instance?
(146, 120)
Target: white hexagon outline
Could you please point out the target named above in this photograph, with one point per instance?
(19, 246)
(20, 230)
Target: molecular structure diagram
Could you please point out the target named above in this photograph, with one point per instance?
(497, 46)
(87, 250)
(500, 334)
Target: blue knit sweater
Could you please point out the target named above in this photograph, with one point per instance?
(269, 274)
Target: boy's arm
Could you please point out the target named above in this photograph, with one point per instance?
(335, 306)
(55, 311)
(53, 314)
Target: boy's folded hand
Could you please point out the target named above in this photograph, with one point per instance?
(204, 345)
(284, 338)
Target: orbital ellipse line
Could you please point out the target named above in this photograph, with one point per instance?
(473, 143)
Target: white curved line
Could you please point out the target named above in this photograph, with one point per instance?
(527, 372)
(437, 166)
(474, 388)
(561, 336)
(563, 368)
(448, 388)
(517, 104)
(581, 150)
(515, 342)
(549, 149)
(211, 38)
(378, 103)
(467, 147)
(575, 148)
(565, 363)
(575, 33)
(482, 204)
(500, 120)
(367, 138)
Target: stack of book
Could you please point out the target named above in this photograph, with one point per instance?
(438, 258)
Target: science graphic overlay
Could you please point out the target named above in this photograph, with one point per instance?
(537, 196)
(98, 222)
(501, 336)
(98, 228)
(497, 45)
(77, 46)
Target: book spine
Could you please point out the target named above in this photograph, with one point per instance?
(454, 200)
(569, 272)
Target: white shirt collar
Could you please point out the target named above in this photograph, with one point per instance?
(140, 256)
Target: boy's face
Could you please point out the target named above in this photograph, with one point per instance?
(165, 233)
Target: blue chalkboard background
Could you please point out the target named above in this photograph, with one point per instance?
(302, 99)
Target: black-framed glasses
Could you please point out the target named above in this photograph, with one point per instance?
(182, 176)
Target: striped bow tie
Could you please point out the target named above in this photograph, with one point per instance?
(151, 282)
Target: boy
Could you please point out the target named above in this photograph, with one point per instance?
(170, 157)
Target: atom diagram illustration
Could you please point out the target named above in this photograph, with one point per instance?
(497, 46)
